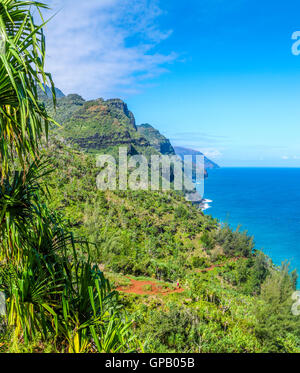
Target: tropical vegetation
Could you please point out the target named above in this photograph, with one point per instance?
(55, 301)
(84, 270)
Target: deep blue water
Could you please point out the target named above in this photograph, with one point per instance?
(265, 201)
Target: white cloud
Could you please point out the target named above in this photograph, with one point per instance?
(105, 47)
(211, 153)
(210, 145)
(285, 157)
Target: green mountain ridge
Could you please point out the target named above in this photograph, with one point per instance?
(86, 270)
(156, 139)
(103, 125)
(99, 125)
(233, 298)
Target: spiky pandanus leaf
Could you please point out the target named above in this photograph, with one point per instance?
(23, 119)
(48, 290)
(20, 207)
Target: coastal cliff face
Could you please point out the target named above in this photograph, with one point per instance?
(156, 139)
(104, 125)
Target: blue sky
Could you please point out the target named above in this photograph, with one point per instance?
(217, 76)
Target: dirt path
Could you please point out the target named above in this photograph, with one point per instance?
(137, 287)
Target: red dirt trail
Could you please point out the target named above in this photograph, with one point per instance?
(136, 287)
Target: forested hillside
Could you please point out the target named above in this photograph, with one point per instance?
(230, 298)
(85, 270)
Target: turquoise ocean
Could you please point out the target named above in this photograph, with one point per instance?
(265, 202)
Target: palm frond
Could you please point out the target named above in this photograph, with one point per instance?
(23, 119)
